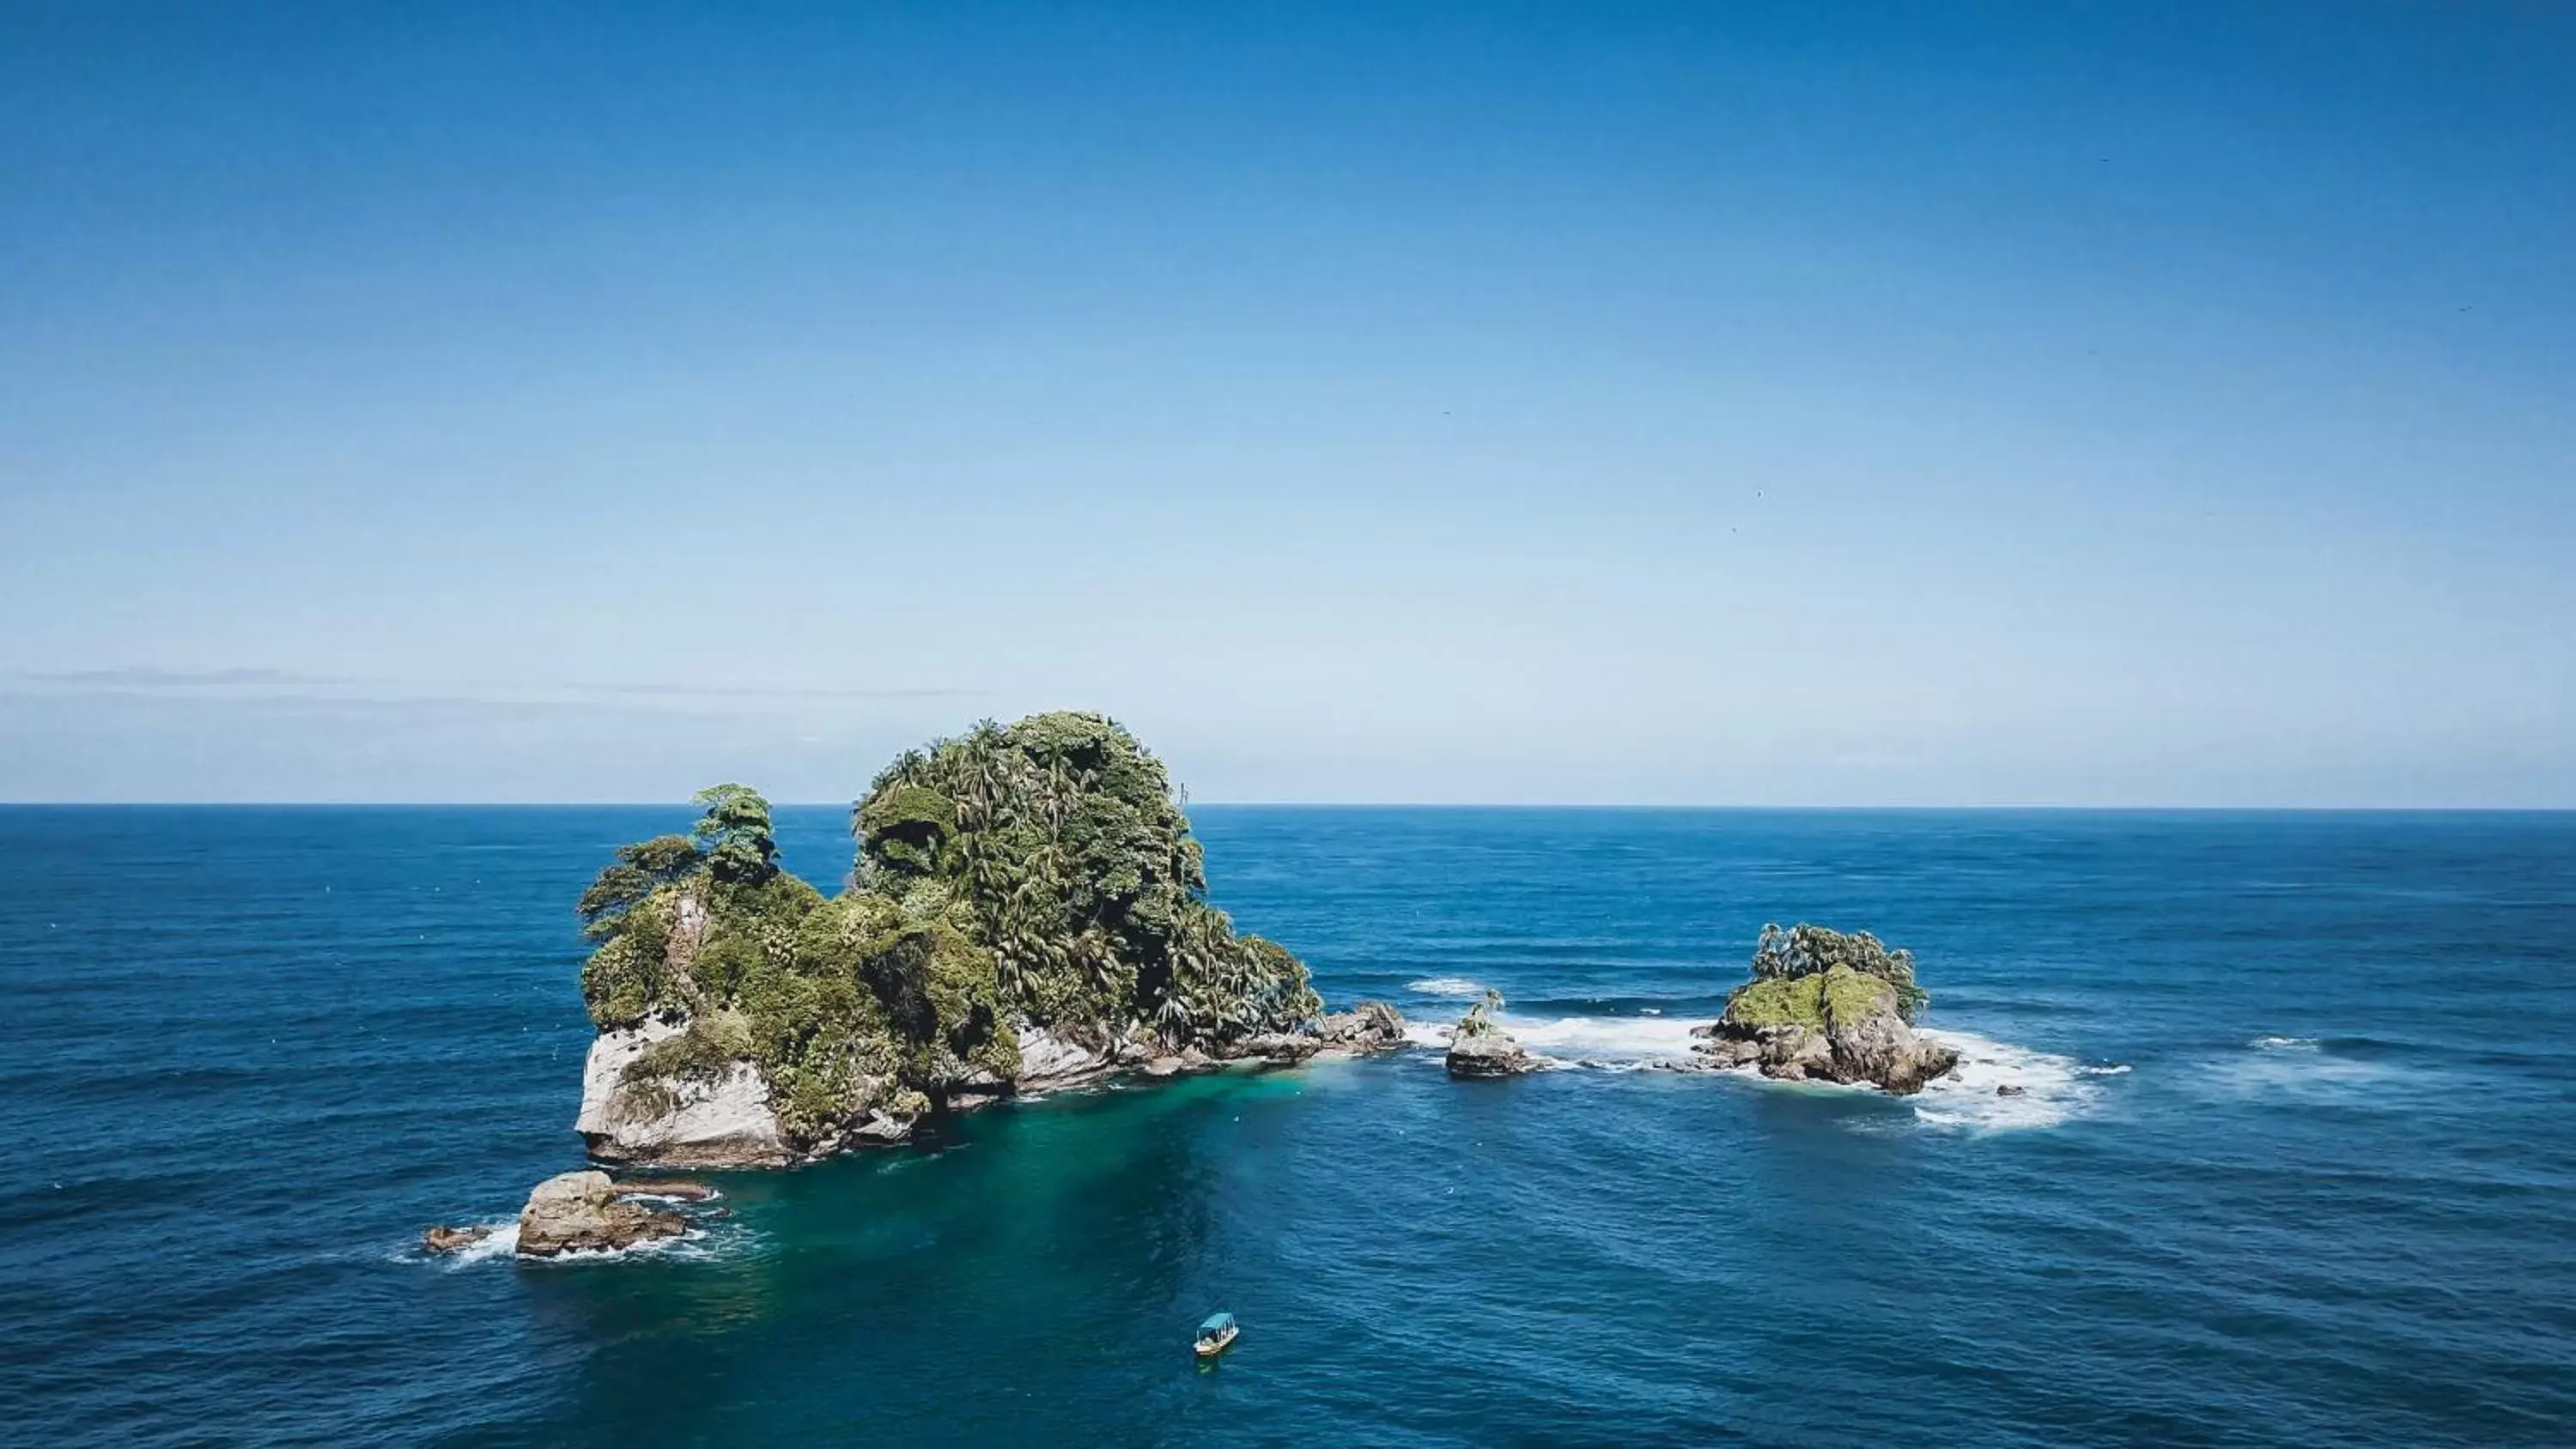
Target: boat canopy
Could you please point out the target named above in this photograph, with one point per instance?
(1216, 1323)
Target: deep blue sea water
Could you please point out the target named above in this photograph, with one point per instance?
(2295, 1164)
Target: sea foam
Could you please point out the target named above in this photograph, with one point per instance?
(2053, 1088)
(1613, 1042)
(501, 1245)
(1605, 1041)
(2298, 1066)
(1455, 988)
(501, 1242)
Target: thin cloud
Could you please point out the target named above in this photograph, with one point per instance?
(141, 676)
(278, 683)
(768, 692)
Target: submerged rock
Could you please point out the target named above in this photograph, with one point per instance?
(585, 1212)
(452, 1240)
(1831, 1008)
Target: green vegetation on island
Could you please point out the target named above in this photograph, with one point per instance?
(1808, 975)
(1039, 873)
(1479, 1020)
(1828, 1006)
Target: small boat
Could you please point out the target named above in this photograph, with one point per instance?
(1216, 1335)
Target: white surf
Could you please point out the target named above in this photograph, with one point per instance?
(2051, 1088)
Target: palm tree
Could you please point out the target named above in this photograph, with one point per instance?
(1479, 1018)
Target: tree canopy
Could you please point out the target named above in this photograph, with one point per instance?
(1801, 951)
(1063, 841)
(735, 835)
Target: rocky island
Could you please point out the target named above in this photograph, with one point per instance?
(1829, 1007)
(1480, 1048)
(1027, 910)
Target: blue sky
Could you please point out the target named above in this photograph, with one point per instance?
(1896, 404)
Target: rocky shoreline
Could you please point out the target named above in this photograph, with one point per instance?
(725, 1122)
(728, 1127)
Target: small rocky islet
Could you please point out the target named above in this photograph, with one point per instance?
(1822, 1006)
(1479, 1048)
(1827, 1007)
(1027, 911)
(589, 1212)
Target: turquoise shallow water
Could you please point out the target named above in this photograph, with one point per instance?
(2292, 1167)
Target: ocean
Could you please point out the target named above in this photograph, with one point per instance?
(2293, 1162)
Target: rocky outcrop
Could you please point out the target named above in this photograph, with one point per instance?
(721, 1118)
(718, 1120)
(1479, 1047)
(1835, 1026)
(452, 1240)
(1489, 1053)
(1067, 1057)
(1371, 1026)
(1278, 1048)
(579, 1212)
(585, 1211)
(1052, 1057)
(1173, 1064)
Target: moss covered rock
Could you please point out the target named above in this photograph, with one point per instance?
(1825, 1006)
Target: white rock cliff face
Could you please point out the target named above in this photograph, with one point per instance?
(726, 1123)
(1048, 1060)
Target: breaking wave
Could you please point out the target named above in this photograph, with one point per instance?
(707, 1238)
(696, 1245)
(2049, 1088)
(500, 1243)
(1455, 988)
(2305, 1067)
(1613, 1042)
(1605, 1041)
